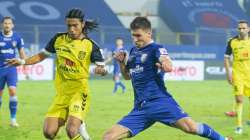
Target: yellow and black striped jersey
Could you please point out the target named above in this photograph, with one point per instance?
(73, 57)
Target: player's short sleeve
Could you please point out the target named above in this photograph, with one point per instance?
(96, 55)
(20, 43)
(160, 51)
(228, 51)
(50, 45)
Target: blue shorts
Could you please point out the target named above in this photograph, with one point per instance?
(164, 110)
(9, 76)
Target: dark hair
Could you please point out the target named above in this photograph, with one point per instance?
(7, 17)
(140, 23)
(242, 21)
(77, 13)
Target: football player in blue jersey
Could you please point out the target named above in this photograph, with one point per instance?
(9, 42)
(145, 66)
(116, 70)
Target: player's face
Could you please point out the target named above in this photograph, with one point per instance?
(7, 25)
(75, 27)
(119, 42)
(141, 37)
(243, 29)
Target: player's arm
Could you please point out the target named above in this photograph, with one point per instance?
(28, 61)
(97, 58)
(122, 58)
(165, 62)
(227, 62)
(46, 52)
(21, 51)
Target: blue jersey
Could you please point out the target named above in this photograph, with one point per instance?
(147, 79)
(8, 46)
(115, 62)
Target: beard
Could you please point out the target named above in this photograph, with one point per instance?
(139, 44)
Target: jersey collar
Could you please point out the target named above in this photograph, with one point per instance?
(10, 35)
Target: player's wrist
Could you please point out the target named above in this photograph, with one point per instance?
(21, 61)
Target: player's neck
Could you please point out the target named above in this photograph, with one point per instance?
(243, 38)
(7, 33)
(148, 42)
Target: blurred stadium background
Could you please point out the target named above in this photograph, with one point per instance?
(195, 33)
(193, 30)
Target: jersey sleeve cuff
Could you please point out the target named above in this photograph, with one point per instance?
(46, 52)
(100, 63)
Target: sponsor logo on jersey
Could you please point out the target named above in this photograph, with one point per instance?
(137, 69)
(2, 44)
(81, 55)
(10, 51)
(6, 39)
(14, 43)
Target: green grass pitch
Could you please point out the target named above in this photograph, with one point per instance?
(205, 101)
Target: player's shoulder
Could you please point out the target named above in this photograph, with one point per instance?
(157, 46)
(94, 43)
(16, 35)
(232, 38)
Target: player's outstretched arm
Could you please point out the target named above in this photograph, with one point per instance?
(165, 63)
(28, 61)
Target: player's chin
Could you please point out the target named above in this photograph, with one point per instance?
(138, 44)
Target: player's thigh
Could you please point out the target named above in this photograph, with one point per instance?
(79, 105)
(238, 89)
(59, 107)
(166, 111)
(2, 83)
(52, 125)
(117, 132)
(116, 77)
(11, 77)
(136, 121)
(247, 91)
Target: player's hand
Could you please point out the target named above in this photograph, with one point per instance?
(120, 56)
(100, 70)
(165, 64)
(15, 62)
(229, 79)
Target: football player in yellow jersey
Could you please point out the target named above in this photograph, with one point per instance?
(74, 53)
(239, 48)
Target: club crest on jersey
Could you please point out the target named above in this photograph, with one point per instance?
(14, 43)
(81, 55)
(144, 57)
